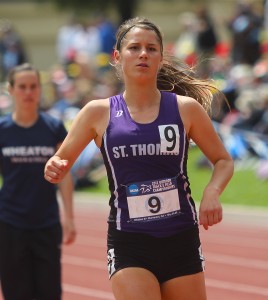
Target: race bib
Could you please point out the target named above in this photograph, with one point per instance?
(169, 138)
(153, 200)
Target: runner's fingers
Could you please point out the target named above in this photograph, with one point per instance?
(53, 171)
(69, 238)
(69, 235)
(214, 217)
(218, 217)
(52, 174)
(210, 218)
(52, 177)
(203, 220)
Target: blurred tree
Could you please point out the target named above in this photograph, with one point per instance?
(124, 8)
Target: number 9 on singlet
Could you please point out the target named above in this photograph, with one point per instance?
(169, 138)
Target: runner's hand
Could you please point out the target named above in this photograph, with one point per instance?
(69, 232)
(55, 169)
(210, 210)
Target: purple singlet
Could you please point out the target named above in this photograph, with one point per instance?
(147, 170)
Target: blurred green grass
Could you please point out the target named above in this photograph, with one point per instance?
(244, 188)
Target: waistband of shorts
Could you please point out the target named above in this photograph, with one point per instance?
(121, 234)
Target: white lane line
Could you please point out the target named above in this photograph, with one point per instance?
(237, 287)
(224, 239)
(214, 258)
(237, 261)
(219, 284)
(79, 290)
(86, 240)
(85, 262)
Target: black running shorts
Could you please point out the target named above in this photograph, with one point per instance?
(166, 258)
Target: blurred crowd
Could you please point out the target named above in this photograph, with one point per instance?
(84, 72)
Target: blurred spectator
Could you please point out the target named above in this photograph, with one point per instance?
(186, 43)
(5, 100)
(253, 110)
(107, 31)
(206, 34)
(87, 44)
(206, 40)
(245, 27)
(265, 16)
(12, 52)
(65, 36)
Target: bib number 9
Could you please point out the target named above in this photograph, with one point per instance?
(169, 136)
(154, 205)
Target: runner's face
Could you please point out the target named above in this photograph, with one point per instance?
(140, 56)
(26, 90)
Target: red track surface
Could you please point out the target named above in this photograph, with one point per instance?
(236, 253)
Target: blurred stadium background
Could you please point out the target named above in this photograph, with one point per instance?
(38, 22)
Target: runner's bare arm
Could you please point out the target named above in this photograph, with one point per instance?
(89, 124)
(200, 129)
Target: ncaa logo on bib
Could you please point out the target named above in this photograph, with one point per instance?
(133, 189)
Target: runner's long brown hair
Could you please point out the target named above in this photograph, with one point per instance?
(174, 76)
